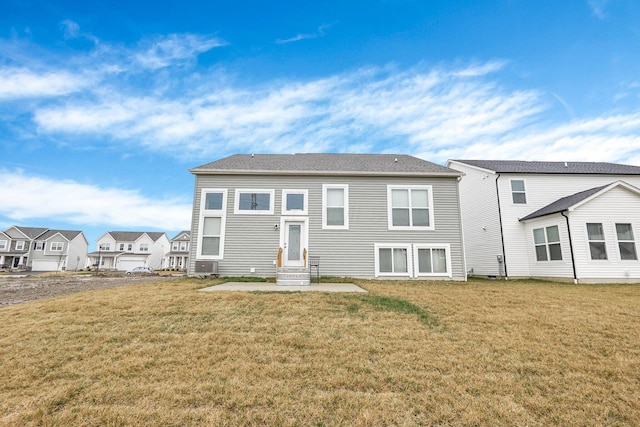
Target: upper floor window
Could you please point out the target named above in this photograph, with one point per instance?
(517, 192)
(3, 245)
(19, 245)
(105, 246)
(547, 244)
(56, 246)
(212, 223)
(254, 201)
(144, 247)
(626, 242)
(183, 246)
(174, 246)
(597, 244)
(335, 206)
(122, 246)
(410, 207)
(38, 246)
(294, 202)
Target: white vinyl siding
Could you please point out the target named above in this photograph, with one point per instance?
(335, 206)
(212, 223)
(410, 207)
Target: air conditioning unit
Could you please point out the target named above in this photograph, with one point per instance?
(204, 268)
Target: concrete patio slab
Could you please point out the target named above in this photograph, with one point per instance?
(272, 287)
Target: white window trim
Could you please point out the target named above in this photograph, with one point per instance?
(21, 247)
(606, 245)
(3, 245)
(429, 188)
(378, 246)
(447, 253)
(39, 246)
(51, 248)
(213, 213)
(238, 191)
(144, 247)
(618, 241)
(547, 243)
(304, 211)
(526, 199)
(345, 188)
(104, 246)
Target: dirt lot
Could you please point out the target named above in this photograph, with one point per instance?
(16, 289)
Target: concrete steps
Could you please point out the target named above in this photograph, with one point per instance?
(293, 276)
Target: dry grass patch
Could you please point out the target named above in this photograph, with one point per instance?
(419, 353)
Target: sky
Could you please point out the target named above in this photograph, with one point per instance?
(106, 105)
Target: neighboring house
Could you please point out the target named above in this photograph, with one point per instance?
(57, 250)
(124, 250)
(178, 257)
(573, 220)
(42, 249)
(357, 215)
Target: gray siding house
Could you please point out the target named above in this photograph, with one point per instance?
(356, 215)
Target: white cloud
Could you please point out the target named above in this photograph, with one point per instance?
(76, 203)
(173, 49)
(25, 83)
(436, 107)
(598, 8)
(319, 33)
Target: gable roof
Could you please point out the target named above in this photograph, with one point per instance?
(183, 235)
(67, 234)
(30, 232)
(132, 236)
(574, 200)
(321, 163)
(520, 166)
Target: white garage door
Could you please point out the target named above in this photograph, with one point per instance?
(127, 264)
(44, 265)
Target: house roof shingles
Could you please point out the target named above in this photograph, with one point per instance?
(67, 234)
(564, 203)
(318, 163)
(132, 236)
(534, 167)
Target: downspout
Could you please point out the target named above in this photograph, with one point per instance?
(573, 258)
(504, 254)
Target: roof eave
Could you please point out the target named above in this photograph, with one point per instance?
(198, 171)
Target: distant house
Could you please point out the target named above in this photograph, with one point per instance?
(574, 220)
(123, 250)
(42, 249)
(358, 215)
(178, 257)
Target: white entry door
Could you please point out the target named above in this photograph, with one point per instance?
(294, 243)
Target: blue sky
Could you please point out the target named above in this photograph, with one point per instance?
(105, 105)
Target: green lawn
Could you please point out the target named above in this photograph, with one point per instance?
(406, 353)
